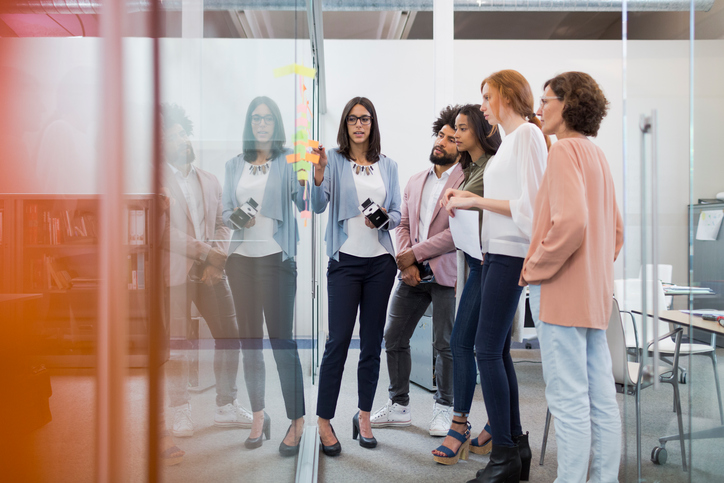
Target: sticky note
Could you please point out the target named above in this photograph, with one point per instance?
(302, 164)
(313, 158)
(301, 149)
(302, 175)
(295, 158)
(313, 144)
(301, 122)
(295, 69)
(301, 135)
(306, 214)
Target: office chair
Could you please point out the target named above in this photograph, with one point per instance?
(629, 378)
(628, 292)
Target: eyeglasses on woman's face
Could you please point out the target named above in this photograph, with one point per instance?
(365, 120)
(256, 119)
(544, 100)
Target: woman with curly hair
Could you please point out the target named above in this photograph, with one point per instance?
(577, 235)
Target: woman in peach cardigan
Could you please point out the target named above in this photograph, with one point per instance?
(577, 235)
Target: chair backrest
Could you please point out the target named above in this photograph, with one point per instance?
(629, 296)
(665, 274)
(617, 347)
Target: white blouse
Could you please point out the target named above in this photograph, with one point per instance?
(363, 241)
(514, 174)
(257, 241)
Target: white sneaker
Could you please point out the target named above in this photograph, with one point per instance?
(391, 415)
(232, 416)
(441, 420)
(183, 425)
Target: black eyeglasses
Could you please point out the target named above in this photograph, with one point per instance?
(256, 119)
(365, 120)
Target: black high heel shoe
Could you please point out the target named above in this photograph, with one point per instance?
(285, 449)
(525, 455)
(364, 442)
(333, 449)
(252, 443)
(503, 467)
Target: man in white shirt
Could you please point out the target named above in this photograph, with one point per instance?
(197, 241)
(428, 266)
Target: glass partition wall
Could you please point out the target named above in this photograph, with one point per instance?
(672, 77)
(129, 151)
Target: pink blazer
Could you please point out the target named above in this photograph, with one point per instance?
(438, 249)
(178, 237)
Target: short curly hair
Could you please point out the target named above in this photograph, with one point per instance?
(172, 114)
(446, 118)
(584, 104)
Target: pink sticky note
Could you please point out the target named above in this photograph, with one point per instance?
(301, 122)
(301, 108)
(306, 214)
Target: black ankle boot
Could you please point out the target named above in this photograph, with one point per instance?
(504, 466)
(525, 455)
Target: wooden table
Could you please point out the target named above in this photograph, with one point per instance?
(679, 318)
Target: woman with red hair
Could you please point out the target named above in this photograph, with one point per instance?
(511, 181)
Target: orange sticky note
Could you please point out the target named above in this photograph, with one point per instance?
(312, 158)
(313, 144)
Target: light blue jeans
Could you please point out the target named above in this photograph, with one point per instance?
(581, 396)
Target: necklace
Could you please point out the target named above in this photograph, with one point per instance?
(359, 169)
(259, 168)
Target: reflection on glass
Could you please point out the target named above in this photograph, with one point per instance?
(260, 191)
(197, 241)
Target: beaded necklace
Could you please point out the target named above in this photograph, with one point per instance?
(359, 169)
(255, 169)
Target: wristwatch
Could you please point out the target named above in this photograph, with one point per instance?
(202, 257)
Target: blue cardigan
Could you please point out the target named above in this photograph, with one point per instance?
(281, 191)
(338, 187)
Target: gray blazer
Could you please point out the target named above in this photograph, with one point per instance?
(282, 191)
(339, 189)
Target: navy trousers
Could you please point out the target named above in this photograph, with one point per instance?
(500, 294)
(352, 283)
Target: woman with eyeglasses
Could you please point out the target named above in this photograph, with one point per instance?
(362, 268)
(511, 181)
(577, 235)
(261, 269)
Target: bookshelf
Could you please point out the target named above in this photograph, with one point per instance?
(50, 247)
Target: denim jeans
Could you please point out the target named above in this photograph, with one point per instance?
(581, 396)
(354, 283)
(500, 294)
(217, 308)
(462, 341)
(407, 307)
(264, 289)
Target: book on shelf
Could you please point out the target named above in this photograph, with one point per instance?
(47, 274)
(135, 227)
(136, 271)
(56, 228)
